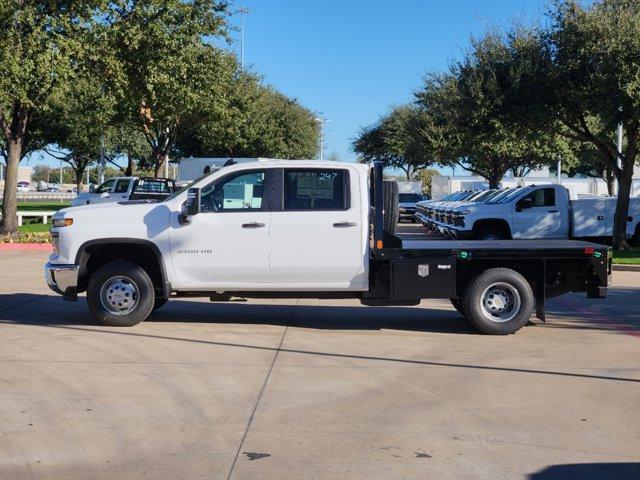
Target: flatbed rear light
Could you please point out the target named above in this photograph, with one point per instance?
(593, 252)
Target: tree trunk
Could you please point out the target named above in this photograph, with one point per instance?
(625, 180)
(609, 178)
(9, 203)
(494, 179)
(79, 175)
(159, 158)
(130, 165)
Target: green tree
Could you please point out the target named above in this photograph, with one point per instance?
(258, 121)
(474, 111)
(589, 80)
(174, 80)
(40, 51)
(426, 177)
(398, 141)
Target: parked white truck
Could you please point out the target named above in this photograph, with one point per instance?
(302, 229)
(123, 189)
(534, 212)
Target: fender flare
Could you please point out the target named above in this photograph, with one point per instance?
(82, 257)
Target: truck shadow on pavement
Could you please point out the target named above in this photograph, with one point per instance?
(75, 317)
(589, 471)
(617, 314)
(34, 309)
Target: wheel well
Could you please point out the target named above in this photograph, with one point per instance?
(92, 257)
(493, 223)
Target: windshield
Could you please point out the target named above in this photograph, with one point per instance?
(481, 196)
(180, 190)
(502, 195)
(410, 197)
(493, 194)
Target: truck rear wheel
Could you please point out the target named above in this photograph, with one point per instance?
(391, 208)
(490, 234)
(499, 301)
(120, 294)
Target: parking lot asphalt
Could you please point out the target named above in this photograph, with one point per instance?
(314, 389)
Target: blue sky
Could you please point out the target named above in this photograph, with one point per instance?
(351, 60)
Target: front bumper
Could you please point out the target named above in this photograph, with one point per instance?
(62, 279)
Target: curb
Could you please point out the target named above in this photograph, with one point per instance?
(26, 246)
(621, 267)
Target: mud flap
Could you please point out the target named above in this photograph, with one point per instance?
(540, 291)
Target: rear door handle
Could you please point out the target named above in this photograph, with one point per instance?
(253, 225)
(344, 224)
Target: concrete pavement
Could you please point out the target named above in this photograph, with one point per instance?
(314, 389)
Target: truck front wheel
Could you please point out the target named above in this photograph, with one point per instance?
(120, 294)
(499, 301)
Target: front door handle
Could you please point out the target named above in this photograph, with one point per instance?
(553, 211)
(253, 225)
(344, 224)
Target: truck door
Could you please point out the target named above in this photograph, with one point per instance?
(121, 190)
(227, 244)
(103, 193)
(537, 215)
(317, 231)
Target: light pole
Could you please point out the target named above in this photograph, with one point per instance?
(102, 161)
(243, 11)
(321, 121)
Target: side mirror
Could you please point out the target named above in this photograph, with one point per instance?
(191, 207)
(92, 188)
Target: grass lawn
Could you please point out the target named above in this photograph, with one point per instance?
(48, 205)
(34, 227)
(627, 257)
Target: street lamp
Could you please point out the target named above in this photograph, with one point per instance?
(321, 121)
(242, 11)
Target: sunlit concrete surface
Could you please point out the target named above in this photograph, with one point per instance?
(314, 389)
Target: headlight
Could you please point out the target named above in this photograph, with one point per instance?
(464, 212)
(62, 222)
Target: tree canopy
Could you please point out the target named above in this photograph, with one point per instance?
(398, 140)
(143, 79)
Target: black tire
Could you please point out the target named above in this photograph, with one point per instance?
(495, 318)
(159, 303)
(458, 305)
(390, 205)
(133, 275)
(490, 234)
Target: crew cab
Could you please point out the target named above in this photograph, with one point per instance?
(537, 212)
(302, 229)
(123, 189)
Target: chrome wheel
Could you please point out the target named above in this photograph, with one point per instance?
(119, 295)
(500, 302)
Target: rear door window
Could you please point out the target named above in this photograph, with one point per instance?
(316, 189)
(543, 197)
(122, 186)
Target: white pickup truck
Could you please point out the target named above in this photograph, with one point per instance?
(124, 189)
(535, 212)
(302, 229)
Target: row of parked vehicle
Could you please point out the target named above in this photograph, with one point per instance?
(536, 211)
